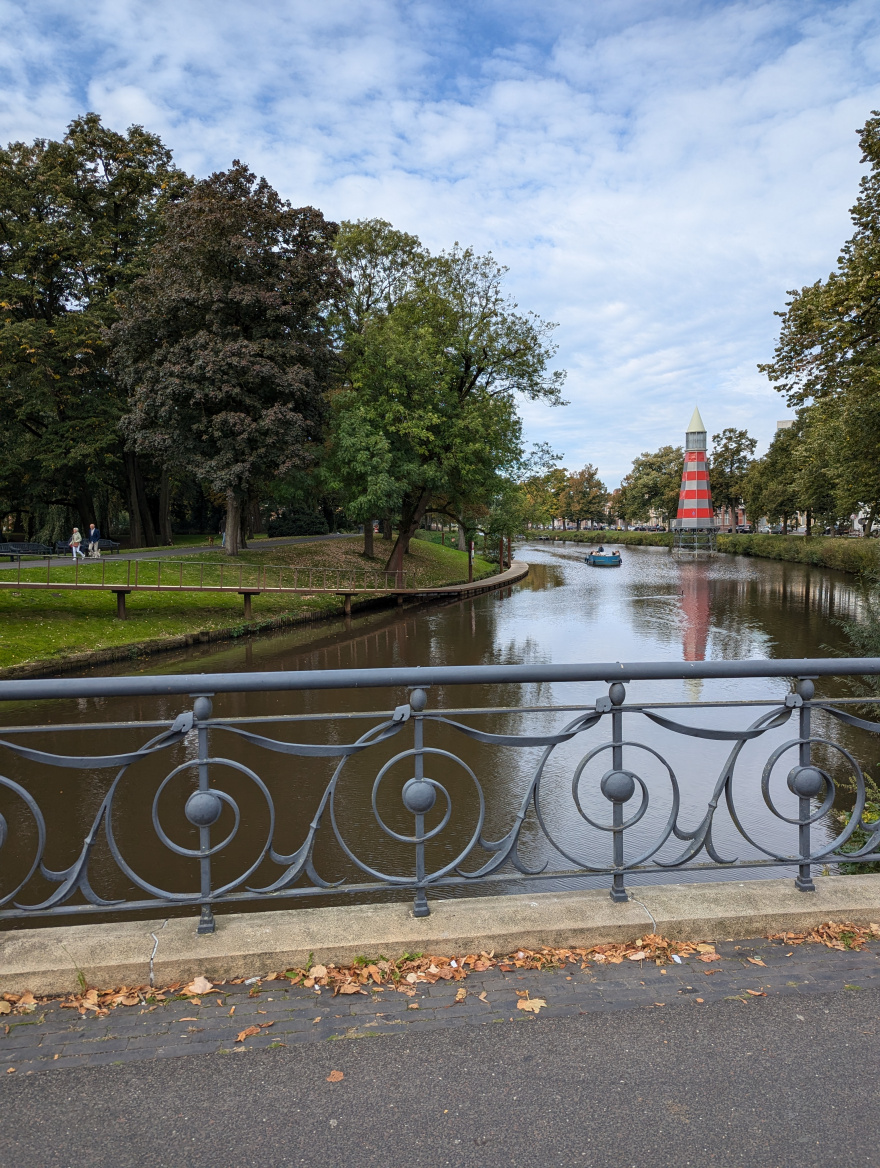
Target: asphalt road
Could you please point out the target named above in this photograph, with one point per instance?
(788, 1081)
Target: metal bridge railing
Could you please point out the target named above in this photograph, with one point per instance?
(580, 789)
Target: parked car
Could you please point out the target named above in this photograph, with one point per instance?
(743, 529)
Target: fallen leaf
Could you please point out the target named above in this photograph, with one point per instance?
(335, 1077)
(318, 971)
(710, 957)
(5, 1008)
(532, 1005)
(483, 997)
(640, 956)
(232, 1011)
(199, 985)
(350, 988)
(705, 947)
(757, 961)
(756, 993)
(251, 1030)
(461, 995)
(314, 1020)
(10, 1070)
(187, 1019)
(698, 1000)
(709, 972)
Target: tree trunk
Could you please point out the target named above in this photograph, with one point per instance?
(501, 552)
(409, 524)
(809, 523)
(368, 539)
(462, 542)
(233, 524)
(785, 525)
(509, 553)
(256, 518)
(142, 533)
(165, 510)
(386, 528)
(85, 506)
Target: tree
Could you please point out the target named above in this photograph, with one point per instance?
(585, 496)
(77, 219)
(653, 484)
(732, 452)
(770, 485)
(224, 345)
(433, 367)
(828, 351)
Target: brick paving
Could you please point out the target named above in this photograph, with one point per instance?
(52, 1038)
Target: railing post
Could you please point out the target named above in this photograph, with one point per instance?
(618, 787)
(804, 879)
(203, 809)
(419, 797)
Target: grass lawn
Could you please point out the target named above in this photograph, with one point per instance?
(46, 625)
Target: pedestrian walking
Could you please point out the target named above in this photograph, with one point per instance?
(74, 542)
(94, 542)
(223, 533)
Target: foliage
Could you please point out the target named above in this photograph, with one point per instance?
(653, 484)
(732, 452)
(224, 345)
(296, 523)
(77, 219)
(827, 359)
(434, 357)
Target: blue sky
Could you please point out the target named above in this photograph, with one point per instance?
(656, 174)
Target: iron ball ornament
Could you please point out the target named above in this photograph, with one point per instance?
(618, 786)
(806, 781)
(419, 796)
(203, 808)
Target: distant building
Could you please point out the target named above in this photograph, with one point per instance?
(785, 424)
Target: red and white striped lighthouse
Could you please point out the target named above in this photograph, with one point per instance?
(695, 511)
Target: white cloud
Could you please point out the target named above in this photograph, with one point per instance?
(656, 173)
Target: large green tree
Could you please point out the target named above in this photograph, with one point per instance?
(653, 485)
(828, 353)
(732, 452)
(433, 365)
(77, 220)
(224, 345)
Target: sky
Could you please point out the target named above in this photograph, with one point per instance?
(655, 174)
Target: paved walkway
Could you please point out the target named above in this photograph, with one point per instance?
(174, 553)
(626, 1065)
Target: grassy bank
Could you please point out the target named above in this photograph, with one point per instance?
(46, 626)
(845, 555)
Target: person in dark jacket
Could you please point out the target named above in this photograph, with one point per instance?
(94, 545)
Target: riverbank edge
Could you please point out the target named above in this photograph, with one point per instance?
(133, 651)
(55, 960)
(855, 556)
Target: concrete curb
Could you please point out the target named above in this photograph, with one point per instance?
(48, 960)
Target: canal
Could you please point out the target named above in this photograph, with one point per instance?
(655, 607)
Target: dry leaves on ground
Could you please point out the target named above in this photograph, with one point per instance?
(530, 1005)
(335, 1077)
(834, 935)
(252, 1030)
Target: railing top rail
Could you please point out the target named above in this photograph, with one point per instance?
(411, 677)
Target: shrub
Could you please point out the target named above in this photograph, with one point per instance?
(297, 523)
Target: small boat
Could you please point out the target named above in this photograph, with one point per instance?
(603, 559)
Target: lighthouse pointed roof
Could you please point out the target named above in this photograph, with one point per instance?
(696, 423)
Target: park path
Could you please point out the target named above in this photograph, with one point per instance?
(626, 1065)
(175, 553)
